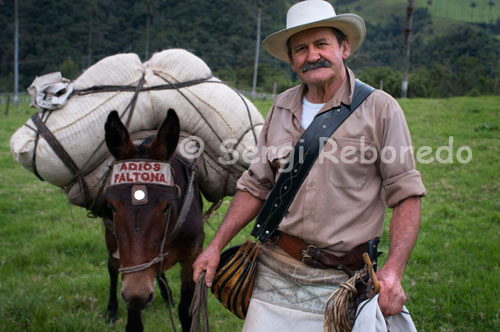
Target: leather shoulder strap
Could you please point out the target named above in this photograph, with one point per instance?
(305, 153)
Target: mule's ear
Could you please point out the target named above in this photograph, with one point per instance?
(165, 142)
(117, 138)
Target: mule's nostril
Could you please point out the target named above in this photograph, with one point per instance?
(123, 297)
(137, 301)
(150, 298)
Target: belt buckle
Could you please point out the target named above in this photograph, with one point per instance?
(305, 252)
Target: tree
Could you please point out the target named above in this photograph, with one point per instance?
(257, 50)
(92, 11)
(491, 4)
(148, 9)
(472, 6)
(16, 53)
(69, 69)
(407, 35)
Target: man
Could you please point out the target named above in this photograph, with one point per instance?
(341, 203)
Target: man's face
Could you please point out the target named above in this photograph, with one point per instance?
(311, 45)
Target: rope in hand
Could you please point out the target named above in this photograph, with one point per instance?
(336, 315)
(198, 304)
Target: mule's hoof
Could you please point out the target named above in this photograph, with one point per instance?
(111, 321)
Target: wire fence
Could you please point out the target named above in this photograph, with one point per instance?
(8, 97)
(258, 95)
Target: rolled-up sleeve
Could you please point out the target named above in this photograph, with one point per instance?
(400, 179)
(258, 180)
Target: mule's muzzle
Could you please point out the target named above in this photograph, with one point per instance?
(138, 301)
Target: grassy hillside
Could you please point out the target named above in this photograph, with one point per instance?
(443, 11)
(53, 274)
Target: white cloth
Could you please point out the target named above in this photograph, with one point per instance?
(267, 317)
(370, 319)
(50, 91)
(309, 111)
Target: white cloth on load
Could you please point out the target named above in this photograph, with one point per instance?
(370, 319)
(289, 295)
(50, 91)
(214, 112)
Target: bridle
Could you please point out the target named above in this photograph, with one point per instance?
(187, 199)
(157, 260)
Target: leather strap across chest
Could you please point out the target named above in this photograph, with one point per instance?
(304, 155)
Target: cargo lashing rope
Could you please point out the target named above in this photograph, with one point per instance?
(89, 202)
(60, 152)
(39, 119)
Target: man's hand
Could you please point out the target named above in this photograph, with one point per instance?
(208, 261)
(405, 223)
(391, 295)
(244, 207)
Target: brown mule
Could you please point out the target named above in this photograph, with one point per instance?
(154, 209)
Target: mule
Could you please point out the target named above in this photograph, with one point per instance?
(145, 234)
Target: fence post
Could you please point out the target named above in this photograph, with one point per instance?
(7, 106)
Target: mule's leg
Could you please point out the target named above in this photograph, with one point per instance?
(187, 291)
(113, 266)
(134, 321)
(165, 290)
(113, 287)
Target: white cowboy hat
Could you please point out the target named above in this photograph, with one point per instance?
(314, 14)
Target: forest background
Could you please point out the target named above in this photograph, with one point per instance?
(455, 45)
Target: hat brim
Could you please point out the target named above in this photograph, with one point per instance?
(351, 25)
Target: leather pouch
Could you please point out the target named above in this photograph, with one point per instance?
(235, 277)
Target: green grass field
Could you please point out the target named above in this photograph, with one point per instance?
(53, 274)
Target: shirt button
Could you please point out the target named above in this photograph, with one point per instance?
(311, 184)
(308, 216)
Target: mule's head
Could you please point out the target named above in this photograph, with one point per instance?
(142, 199)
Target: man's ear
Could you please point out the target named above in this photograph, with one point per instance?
(290, 59)
(346, 49)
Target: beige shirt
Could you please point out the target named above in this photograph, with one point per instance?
(341, 203)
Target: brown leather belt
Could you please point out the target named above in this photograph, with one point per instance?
(313, 256)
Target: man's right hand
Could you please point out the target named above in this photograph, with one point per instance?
(208, 261)
(244, 207)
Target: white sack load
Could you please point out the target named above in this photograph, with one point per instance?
(225, 122)
(228, 123)
(79, 125)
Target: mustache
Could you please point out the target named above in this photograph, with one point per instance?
(313, 65)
